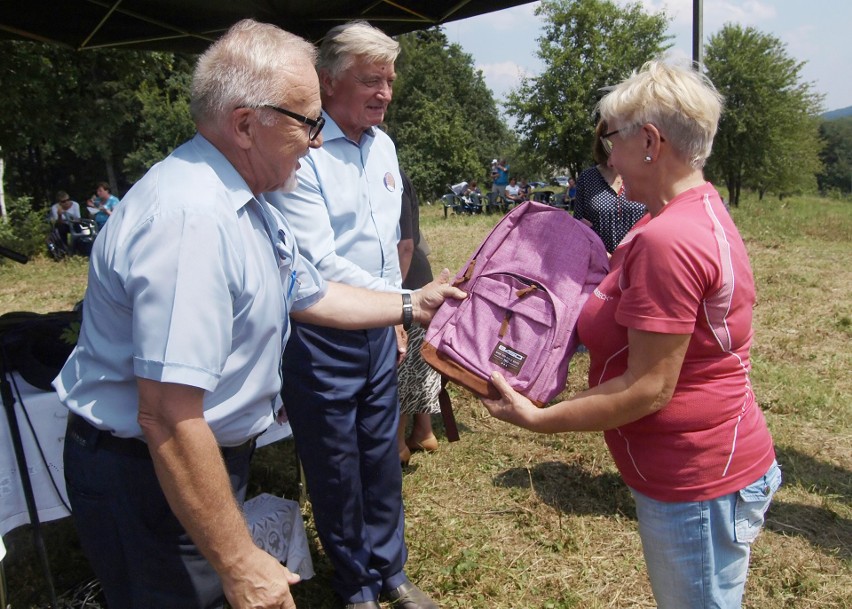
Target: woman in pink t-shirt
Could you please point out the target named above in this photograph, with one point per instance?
(669, 332)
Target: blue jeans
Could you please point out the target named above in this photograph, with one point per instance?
(697, 552)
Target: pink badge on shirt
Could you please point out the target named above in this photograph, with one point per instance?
(390, 183)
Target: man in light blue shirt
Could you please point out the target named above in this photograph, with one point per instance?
(340, 387)
(185, 317)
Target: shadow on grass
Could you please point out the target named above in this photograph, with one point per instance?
(818, 524)
(571, 489)
(818, 477)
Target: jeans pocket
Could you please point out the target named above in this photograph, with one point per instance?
(752, 503)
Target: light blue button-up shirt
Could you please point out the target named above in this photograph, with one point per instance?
(345, 211)
(190, 282)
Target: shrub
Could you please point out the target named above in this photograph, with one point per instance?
(23, 230)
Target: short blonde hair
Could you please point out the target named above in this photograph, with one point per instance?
(681, 102)
(342, 44)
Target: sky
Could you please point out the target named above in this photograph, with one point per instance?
(504, 43)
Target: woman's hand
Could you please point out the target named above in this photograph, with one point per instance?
(401, 343)
(512, 407)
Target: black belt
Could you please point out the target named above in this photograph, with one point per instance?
(88, 434)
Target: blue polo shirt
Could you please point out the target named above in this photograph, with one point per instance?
(190, 282)
(345, 210)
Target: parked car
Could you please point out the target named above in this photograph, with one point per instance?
(561, 180)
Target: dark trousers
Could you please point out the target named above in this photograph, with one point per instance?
(137, 548)
(340, 393)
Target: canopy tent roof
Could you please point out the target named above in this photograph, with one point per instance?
(190, 25)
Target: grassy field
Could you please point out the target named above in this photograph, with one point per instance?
(507, 519)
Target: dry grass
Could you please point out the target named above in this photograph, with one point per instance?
(507, 519)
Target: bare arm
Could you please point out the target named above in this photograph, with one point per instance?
(350, 308)
(196, 484)
(406, 251)
(653, 367)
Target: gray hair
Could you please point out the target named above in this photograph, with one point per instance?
(248, 66)
(342, 44)
(681, 102)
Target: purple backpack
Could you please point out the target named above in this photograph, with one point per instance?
(526, 284)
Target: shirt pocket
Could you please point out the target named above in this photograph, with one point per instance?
(752, 503)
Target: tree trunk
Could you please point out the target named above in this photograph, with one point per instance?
(733, 185)
(110, 172)
(2, 189)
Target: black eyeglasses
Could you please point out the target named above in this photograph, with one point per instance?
(607, 143)
(314, 125)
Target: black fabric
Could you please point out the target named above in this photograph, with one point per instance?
(33, 344)
(419, 272)
(191, 25)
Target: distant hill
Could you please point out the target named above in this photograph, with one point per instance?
(834, 114)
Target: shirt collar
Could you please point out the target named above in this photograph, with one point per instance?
(236, 189)
(332, 130)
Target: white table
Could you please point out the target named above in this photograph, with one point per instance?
(41, 419)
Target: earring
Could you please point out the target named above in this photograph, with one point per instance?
(647, 158)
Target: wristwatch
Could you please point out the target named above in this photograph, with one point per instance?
(407, 311)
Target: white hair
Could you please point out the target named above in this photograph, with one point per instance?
(249, 66)
(680, 101)
(342, 44)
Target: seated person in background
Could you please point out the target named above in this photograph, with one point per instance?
(104, 202)
(513, 193)
(525, 189)
(472, 189)
(63, 212)
(571, 191)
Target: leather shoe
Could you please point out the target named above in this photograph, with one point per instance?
(363, 605)
(409, 596)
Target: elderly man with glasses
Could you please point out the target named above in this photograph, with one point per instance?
(345, 214)
(191, 287)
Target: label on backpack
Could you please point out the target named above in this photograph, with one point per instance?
(508, 358)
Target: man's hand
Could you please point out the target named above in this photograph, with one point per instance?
(260, 582)
(427, 300)
(182, 445)
(512, 407)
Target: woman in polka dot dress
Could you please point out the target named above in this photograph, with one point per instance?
(600, 201)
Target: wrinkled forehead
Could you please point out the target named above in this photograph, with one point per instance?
(301, 89)
(364, 66)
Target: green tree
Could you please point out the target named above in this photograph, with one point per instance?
(443, 117)
(587, 44)
(836, 156)
(164, 122)
(70, 118)
(768, 135)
